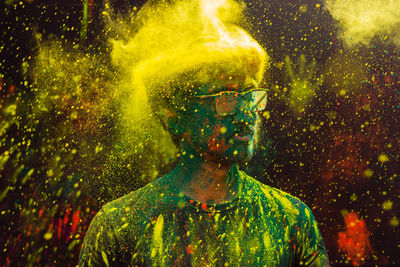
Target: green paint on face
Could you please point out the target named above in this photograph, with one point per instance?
(227, 138)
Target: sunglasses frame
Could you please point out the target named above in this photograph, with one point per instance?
(237, 94)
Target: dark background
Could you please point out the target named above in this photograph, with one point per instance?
(341, 157)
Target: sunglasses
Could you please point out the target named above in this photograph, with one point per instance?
(226, 102)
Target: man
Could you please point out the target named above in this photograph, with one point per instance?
(206, 211)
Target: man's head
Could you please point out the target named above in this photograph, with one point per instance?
(183, 49)
(217, 120)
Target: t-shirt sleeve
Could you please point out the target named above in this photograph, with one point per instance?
(100, 246)
(311, 245)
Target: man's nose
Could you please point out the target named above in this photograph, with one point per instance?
(245, 114)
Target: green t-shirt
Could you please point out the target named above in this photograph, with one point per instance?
(156, 226)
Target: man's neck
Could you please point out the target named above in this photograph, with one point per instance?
(205, 180)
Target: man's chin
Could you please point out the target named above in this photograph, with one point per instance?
(233, 156)
(241, 158)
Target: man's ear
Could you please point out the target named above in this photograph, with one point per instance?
(172, 121)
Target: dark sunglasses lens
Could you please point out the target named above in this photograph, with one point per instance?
(225, 104)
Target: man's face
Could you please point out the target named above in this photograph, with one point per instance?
(222, 138)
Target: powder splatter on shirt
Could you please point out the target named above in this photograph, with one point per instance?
(157, 226)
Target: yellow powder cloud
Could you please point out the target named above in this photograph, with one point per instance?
(362, 20)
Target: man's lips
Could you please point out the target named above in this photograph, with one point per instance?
(244, 136)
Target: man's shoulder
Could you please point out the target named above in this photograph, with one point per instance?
(137, 200)
(277, 199)
(271, 193)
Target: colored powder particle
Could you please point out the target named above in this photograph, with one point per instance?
(382, 158)
(394, 222)
(75, 221)
(157, 237)
(368, 173)
(204, 206)
(387, 205)
(48, 236)
(105, 259)
(354, 241)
